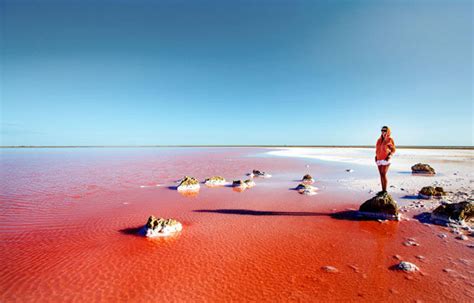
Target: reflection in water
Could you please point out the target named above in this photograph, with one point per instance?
(238, 189)
(189, 193)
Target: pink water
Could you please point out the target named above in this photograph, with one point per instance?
(68, 222)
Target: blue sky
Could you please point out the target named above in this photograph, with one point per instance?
(236, 72)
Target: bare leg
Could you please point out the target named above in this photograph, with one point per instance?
(383, 176)
(380, 167)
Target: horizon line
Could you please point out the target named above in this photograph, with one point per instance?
(243, 145)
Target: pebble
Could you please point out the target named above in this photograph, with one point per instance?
(410, 243)
(442, 236)
(420, 257)
(398, 257)
(355, 268)
(462, 237)
(407, 267)
(329, 269)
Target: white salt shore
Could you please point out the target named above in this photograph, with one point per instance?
(454, 169)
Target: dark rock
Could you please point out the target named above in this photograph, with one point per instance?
(307, 179)
(421, 168)
(455, 212)
(238, 183)
(407, 267)
(257, 173)
(430, 191)
(382, 205)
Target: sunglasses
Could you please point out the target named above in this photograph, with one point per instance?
(384, 130)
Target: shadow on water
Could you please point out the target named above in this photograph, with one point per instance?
(249, 212)
(133, 231)
(353, 215)
(343, 215)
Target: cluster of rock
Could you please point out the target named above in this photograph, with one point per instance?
(458, 213)
(188, 184)
(382, 206)
(259, 174)
(215, 181)
(421, 168)
(243, 184)
(428, 192)
(306, 189)
(160, 227)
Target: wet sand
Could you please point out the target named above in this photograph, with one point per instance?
(69, 221)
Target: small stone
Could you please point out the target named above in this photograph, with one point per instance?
(420, 257)
(442, 236)
(462, 237)
(307, 179)
(215, 181)
(407, 267)
(330, 269)
(410, 243)
(398, 257)
(257, 173)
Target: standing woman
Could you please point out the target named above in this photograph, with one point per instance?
(384, 149)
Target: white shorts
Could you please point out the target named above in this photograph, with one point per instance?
(382, 162)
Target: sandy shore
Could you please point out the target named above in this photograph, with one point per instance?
(69, 222)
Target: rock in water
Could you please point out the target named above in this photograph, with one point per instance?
(215, 181)
(159, 227)
(380, 206)
(458, 213)
(421, 168)
(330, 269)
(306, 189)
(257, 173)
(249, 183)
(188, 184)
(243, 184)
(429, 191)
(308, 179)
(407, 266)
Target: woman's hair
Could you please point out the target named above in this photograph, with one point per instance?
(388, 132)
